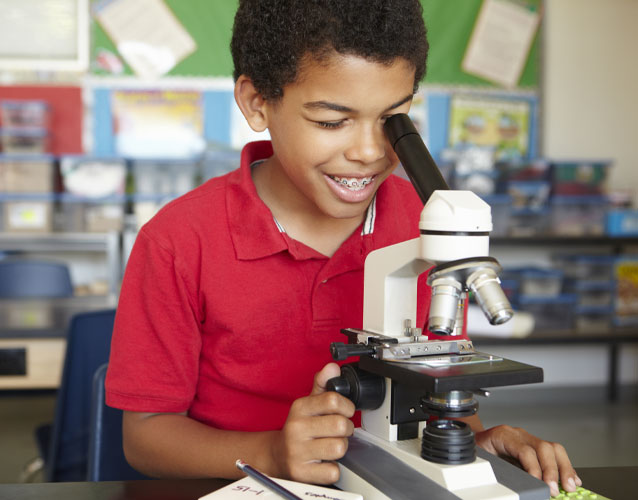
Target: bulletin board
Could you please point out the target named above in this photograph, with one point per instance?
(450, 24)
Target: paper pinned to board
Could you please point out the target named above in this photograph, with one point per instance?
(146, 33)
(501, 41)
(247, 488)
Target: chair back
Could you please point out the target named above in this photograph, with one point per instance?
(88, 347)
(31, 279)
(106, 455)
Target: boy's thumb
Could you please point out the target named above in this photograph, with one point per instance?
(329, 371)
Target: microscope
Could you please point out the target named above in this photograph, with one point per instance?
(412, 388)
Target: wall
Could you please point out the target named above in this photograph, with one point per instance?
(589, 84)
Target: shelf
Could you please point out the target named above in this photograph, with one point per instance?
(564, 240)
(618, 334)
(57, 242)
(107, 243)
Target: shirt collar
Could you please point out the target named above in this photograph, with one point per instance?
(251, 223)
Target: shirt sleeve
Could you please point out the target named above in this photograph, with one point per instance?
(154, 360)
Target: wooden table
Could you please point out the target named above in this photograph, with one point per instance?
(617, 483)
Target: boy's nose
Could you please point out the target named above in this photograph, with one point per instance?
(368, 145)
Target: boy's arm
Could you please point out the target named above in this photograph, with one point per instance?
(315, 434)
(542, 459)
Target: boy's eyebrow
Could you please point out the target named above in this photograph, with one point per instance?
(345, 109)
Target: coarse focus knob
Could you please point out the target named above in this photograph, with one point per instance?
(366, 390)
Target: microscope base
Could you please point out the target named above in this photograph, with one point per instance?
(381, 470)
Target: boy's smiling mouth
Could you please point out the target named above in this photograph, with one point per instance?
(353, 183)
(352, 189)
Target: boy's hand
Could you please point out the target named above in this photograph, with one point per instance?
(542, 459)
(316, 433)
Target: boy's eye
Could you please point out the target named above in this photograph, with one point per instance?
(336, 124)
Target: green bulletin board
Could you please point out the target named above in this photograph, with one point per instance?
(449, 22)
(209, 22)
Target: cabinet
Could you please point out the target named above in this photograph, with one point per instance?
(32, 331)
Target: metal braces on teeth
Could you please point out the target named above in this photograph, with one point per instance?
(354, 183)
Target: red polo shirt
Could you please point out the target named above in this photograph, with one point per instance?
(223, 315)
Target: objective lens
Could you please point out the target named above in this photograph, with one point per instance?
(490, 296)
(446, 293)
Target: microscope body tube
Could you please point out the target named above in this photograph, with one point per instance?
(414, 156)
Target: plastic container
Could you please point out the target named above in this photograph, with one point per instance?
(501, 209)
(539, 282)
(535, 170)
(580, 177)
(91, 215)
(26, 174)
(578, 215)
(586, 267)
(626, 294)
(24, 141)
(510, 287)
(216, 163)
(593, 293)
(621, 223)
(482, 183)
(146, 206)
(594, 319)
(530, 195)
(555, 313)
(92, 177)
(24, 113)
(528, 222)
(164, 177)
(31, 213)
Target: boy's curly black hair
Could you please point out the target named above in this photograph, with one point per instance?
(272, 37)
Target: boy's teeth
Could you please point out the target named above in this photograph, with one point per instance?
(353, 183)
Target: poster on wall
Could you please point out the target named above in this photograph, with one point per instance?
(501, 40)
(501, 124)
(157, 123)
(146, 33)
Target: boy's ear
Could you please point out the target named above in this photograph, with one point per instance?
(251, 103)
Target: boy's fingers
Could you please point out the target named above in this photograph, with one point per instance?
(327, 403)
(329, 371)
(326, 426)
(316, 473)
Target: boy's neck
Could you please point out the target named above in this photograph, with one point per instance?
(299, 217)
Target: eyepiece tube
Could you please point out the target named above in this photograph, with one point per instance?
(414, 156)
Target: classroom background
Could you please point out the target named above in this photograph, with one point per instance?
(111, 108)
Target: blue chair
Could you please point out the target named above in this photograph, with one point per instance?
(65, 442)
(22, 278)
(106, 455)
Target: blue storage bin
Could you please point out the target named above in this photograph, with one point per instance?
(595, 319)
(592, 293)
(587, 267)
(501, 209)
(530, 195)
(550, 313)
(578, 215)
(529, 221)
(621, 223)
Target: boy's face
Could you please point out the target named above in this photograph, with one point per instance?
(330, 152)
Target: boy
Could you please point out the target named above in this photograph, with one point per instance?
(234, 292)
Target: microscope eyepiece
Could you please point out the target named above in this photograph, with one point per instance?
(414, 156)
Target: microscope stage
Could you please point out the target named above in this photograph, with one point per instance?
(455, 376)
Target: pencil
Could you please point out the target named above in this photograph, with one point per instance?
(264, 480)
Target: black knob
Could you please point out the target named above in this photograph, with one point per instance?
(341, 351)
(366, 390)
